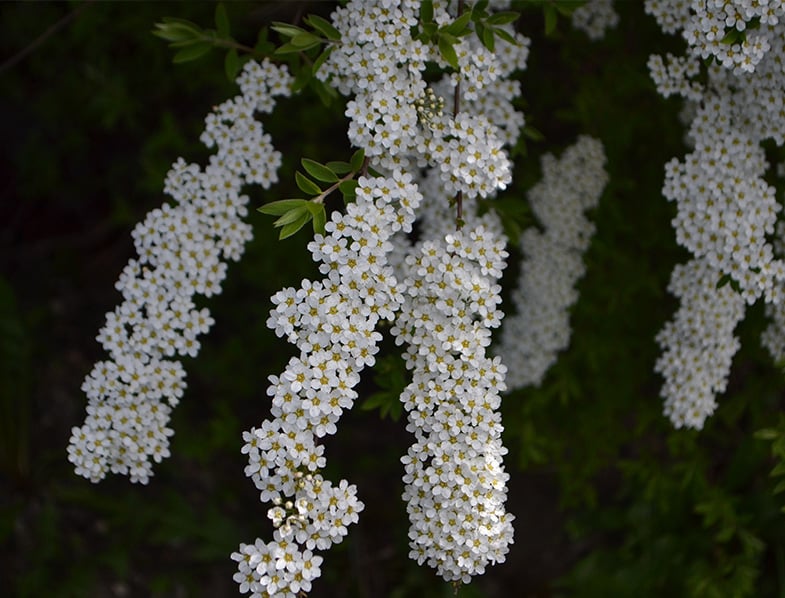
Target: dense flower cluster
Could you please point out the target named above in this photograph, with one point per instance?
(725, 207)
(709, 26)
(455, 482)
(333, 324)
(393, 114)
(182, 250)
(595, 17)
(698, 344)
(553, 261)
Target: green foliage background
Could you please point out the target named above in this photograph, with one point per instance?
(609, 500)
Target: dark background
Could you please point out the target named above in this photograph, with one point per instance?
(609, 500)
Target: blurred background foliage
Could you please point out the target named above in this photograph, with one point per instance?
(609, 500)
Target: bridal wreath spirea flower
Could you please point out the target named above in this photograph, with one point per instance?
(182, 250)
(725, 208)
(455, 481)
(553, 261)
(333, 324)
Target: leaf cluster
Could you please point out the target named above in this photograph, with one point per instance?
(293, 214)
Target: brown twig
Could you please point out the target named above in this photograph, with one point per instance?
(456, 106)
(44, 36)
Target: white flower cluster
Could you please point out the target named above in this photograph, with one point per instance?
(594, 18)
(672, 76)
(698, 344)
(725, 207)
(553, 261)
(707, 25)
(455, 481)
(332, 322)
(182, 250)
(393, 115)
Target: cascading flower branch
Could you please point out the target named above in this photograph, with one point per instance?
(725, 208)
(455, 483)
(333, 324)
(553, 261)
(182, 251)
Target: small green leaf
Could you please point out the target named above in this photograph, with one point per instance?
(426, 11)
(292, 215)
(448, 52)
(305, 40)
(192, 52)
(291, 228)
(324, 27)
(286, 29)
(291, 48)
(176, 32)
(301, 79)
(339, 167)
(221, 20)
(306, 185)
(478, 10)
(488, 39)
(766, 434)
(551, 16)
(532, 133)
(319, 171)
(232, 64)
(357, 159)
(326, 93)
(348, 188)
(319, 214)
(276, 208)
(724, 279)
(502, 18)
(317, 64)
(263, 45)
(459, 25)
(505, 35)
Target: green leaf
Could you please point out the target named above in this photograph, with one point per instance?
(276, 208)
(766, 434)
(349, 189)
(459, 25)
(292, 215)
(232, 64)
(263, 45)
(426, 11)
(551, 16)
(286, 29)
(488, 39)
(340, 167)
(291, 228)
(532, 133)
(357, 159)
(176, 32)
(502, 18)
(479, 9)
(221, 20)
(319, 214)
(326, 93)
(306, 185)
(192, 52)
(324, 27)
(505, 35)
(319, 171)
(291, 48)
(301, 79)
(317, 64)
(305, 40)
(448, 52)
(724, 279)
